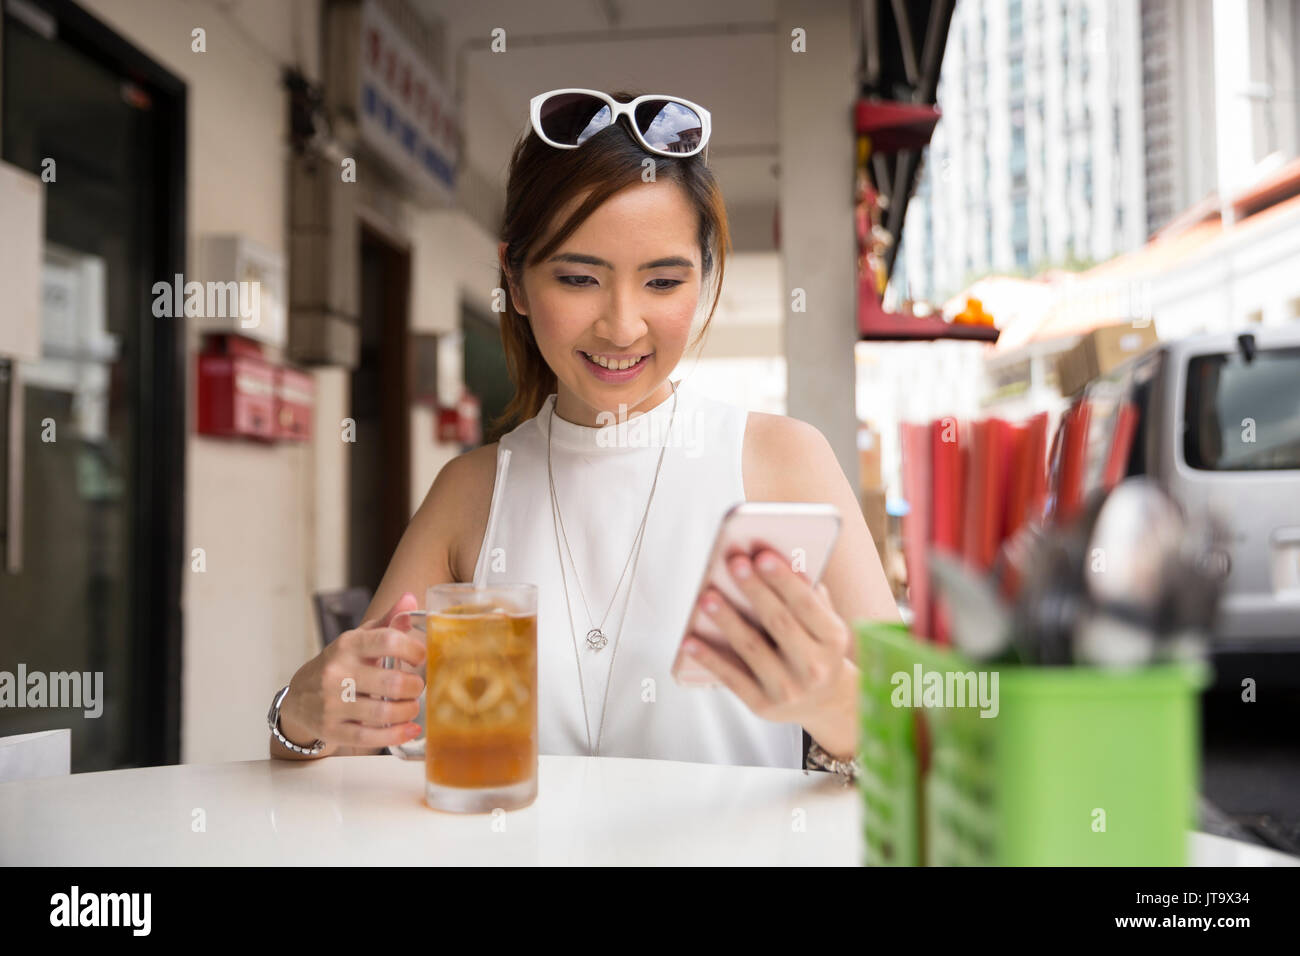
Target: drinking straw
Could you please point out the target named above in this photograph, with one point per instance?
(503, 465)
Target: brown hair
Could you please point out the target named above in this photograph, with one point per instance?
(542, 179)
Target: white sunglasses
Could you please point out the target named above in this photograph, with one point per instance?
(663, 125)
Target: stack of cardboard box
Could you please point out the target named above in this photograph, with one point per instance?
(1100, 352)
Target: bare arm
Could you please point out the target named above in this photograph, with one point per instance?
(424, 557)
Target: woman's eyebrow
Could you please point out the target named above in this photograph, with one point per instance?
(587, 260)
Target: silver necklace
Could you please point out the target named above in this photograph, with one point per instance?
(596, 637)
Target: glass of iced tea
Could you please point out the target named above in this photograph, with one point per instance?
(480, 696)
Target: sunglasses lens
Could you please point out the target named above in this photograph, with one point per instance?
(571, 118)
(672, 127)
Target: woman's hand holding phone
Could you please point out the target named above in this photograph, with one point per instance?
(797, 674)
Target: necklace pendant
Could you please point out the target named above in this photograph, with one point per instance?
(596, 639)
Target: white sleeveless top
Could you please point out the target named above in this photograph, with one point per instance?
(602, 480)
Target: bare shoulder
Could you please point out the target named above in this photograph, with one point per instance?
(785, 458)
(463, 471)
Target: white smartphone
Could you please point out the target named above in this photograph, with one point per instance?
(804, 532)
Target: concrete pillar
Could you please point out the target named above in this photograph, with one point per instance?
(815, 94)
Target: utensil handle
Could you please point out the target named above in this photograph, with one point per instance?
(412, 749)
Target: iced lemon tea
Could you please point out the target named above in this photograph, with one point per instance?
(481, 698)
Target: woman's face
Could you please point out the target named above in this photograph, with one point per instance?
(623, 287)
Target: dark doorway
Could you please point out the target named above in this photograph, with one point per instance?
(102, 474)
(486, 374)
(380, 472)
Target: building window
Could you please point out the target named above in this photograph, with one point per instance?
(1017, 162)
(1020, 222)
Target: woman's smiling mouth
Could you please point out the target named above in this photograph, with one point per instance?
(615, 362)
(612, 367)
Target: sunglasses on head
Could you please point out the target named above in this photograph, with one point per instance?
(663, 125)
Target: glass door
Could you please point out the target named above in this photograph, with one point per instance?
(101, 479)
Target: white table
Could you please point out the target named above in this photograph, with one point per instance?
(370, 811)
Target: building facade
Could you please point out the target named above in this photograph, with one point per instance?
(1038, 158)
(1073, 130)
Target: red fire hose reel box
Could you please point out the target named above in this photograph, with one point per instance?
(469, 412)
(236, 396)
(242, 395)
(448, 424)
(461, 423)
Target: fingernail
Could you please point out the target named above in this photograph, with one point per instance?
(690, 647)
(767, 562)
(710, 603)
(413, 730)
(740, 568)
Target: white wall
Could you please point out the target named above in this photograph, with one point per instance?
(453, 260)
(273, 520)
(1251, 270)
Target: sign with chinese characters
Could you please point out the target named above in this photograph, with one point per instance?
(405, 112)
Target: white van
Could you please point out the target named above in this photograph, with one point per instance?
(1218, 426)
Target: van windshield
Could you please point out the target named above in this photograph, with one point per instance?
(1243, 416)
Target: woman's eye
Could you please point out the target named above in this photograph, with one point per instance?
(672, 284)
(577, 281)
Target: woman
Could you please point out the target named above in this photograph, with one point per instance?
(611, 232)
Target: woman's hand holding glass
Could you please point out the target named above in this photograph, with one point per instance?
(344, 696)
